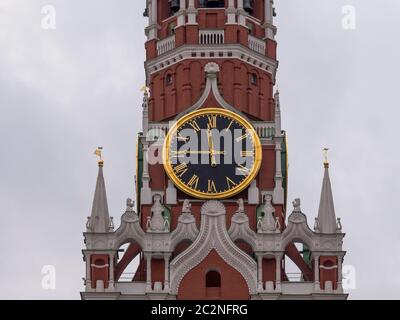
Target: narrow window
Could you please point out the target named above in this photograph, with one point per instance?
(168, 79)
(213, 279)
(254, 79)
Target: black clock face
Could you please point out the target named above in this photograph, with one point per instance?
(212, 153)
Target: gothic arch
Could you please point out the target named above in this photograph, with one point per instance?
(213, 236)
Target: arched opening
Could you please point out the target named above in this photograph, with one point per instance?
(213, 279)
(130, 265)
(297, 264)
(181, 247)
(168, 79)
(213, 284)
(245, 247)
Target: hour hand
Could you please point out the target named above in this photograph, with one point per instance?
(211, 147)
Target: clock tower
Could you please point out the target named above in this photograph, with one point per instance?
(211, 219)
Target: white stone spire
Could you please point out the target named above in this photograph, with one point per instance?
(327, 222)
(99, 221)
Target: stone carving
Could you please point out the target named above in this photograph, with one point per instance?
(187, 207)
(240, 203)
(268, 223)
(240, 216)
(296, 205)
(186, 217)
(130, 204)
(156, 222)
(339, 226)
(213, 235)
(212, 68)
(111, 227)
(316, 226)
(88, 224)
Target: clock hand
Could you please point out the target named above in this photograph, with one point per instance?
(212, 151)
(180, 153)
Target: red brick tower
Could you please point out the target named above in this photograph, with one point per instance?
(202, 56)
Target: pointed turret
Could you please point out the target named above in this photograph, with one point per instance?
(99, 221)
(326, 222)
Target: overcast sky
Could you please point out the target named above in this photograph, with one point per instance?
(63, 92)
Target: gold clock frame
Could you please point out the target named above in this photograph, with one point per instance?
(222, 195)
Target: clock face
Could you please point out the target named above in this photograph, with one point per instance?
(212, 154)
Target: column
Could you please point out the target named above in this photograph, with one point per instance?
(88, 274)
(152, 28)
(111, 274)
(231, 12)
(270, 30)
(339, 273)
(268, 11)
(241, 13)
(278, 261)
(317, 286)
(166, 272)
(254, 193)
(145, 194)
(259, 273)
(148, 273)
(279, 194)
(191, 12)
(171, 194)
(182, 13)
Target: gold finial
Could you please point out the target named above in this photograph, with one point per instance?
(145, 89)
(326, 161)
(98, 153)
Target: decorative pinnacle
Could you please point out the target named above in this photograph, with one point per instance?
(326, 161)
(98, 153)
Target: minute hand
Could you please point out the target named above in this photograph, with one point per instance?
(197, 152)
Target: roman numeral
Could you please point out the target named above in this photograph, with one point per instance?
(194, 182)
(212, 122)
(247, 154)
(242, 137)
(211, 186)
(194, 125)
(243, 170)
(231, 183)
(181, 169)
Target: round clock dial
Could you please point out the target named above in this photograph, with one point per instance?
(212, 154)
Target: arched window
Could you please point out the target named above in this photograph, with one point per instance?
(213, 279)
(168, 79)
(254, 79)
(174, 6)
(248, 6)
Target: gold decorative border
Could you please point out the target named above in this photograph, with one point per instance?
(206, 196)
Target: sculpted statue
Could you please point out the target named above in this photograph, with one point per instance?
(187, 207)
(339, 225)
(268, 223)
(88, 225)
(157, 222)
(111, 224)
(296, 205)
(130, 204)
(240, 203)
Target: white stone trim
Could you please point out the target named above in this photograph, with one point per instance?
(231, 51)
(213, 235)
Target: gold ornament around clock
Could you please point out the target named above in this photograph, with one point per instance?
(212, 153)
